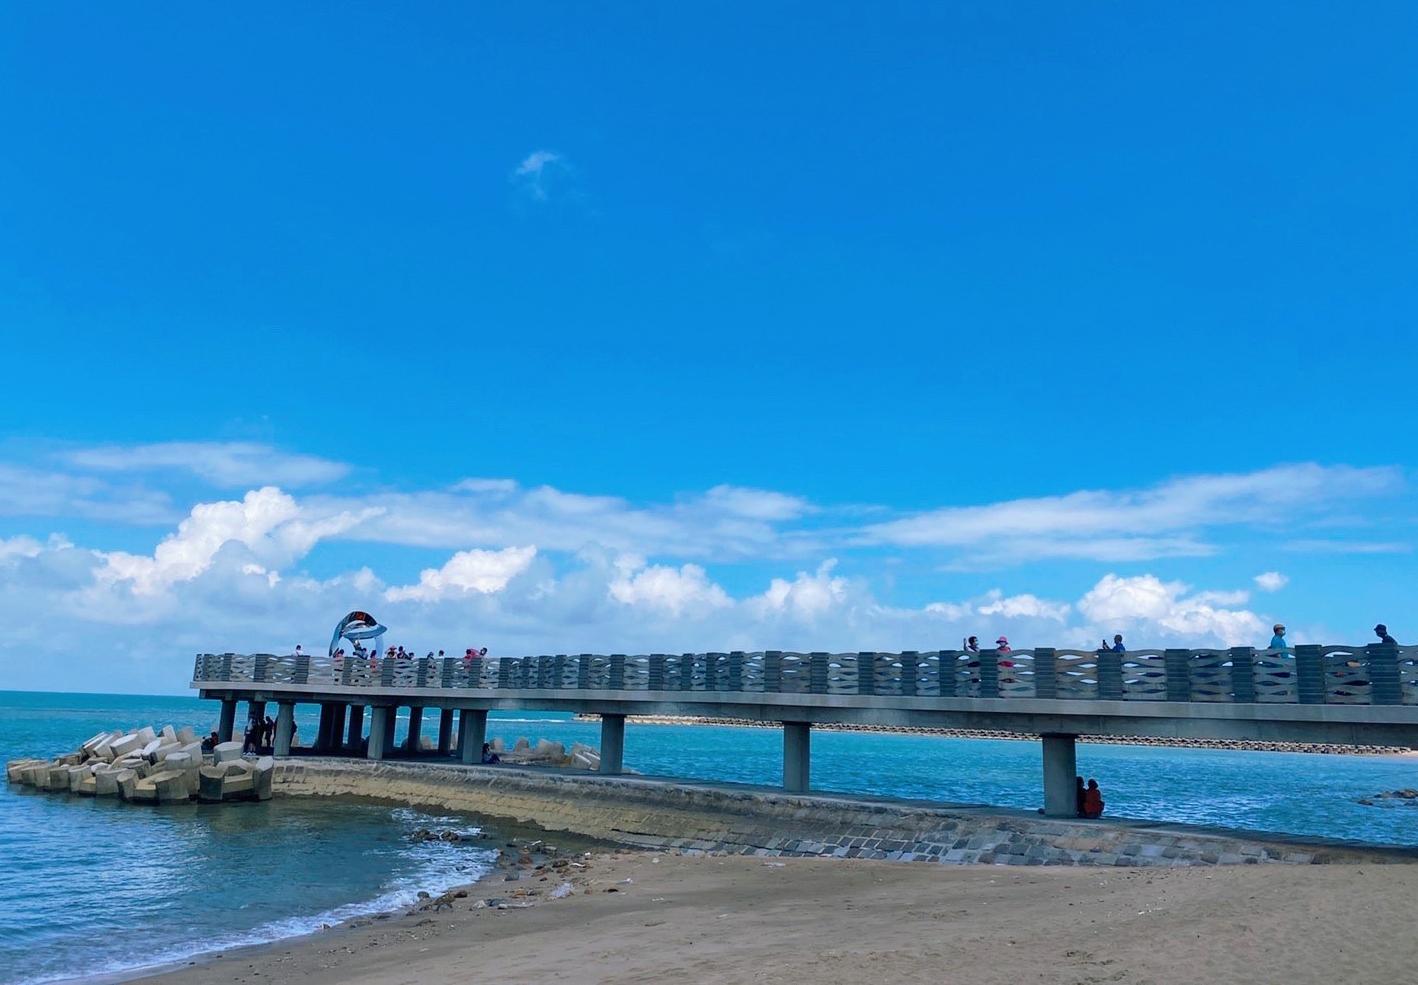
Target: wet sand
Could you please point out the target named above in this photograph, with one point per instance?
(646, 917)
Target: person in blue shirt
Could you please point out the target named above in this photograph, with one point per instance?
(1117, 646)
(1277, 642)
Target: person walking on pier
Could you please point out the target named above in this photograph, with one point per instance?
(1382, 632)
(1277, 641)
(972, 644)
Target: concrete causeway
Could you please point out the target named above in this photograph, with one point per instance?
(697, 817)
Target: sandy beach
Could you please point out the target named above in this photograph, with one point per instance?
(646, 917)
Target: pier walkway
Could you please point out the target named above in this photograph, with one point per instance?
(1356, 695)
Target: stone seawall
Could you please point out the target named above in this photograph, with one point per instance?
(706, 817)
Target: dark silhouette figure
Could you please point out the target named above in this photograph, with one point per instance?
(1078, 796)
(1093, 801)
(1381, 631)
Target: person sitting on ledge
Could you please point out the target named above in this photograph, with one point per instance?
(210, 742)
(490, 758)
(1080, 794)
(1093, 801)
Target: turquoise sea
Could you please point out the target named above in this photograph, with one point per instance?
(95, 887)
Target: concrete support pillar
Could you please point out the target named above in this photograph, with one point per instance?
(445, 731)
(226, 724)
(415, 730)
(285, 719)
(612, 743)
(381, 730)
(337, 726)
(797, 756)
(1060, 771)
(356, 726)
(322, 733)
(472, 733)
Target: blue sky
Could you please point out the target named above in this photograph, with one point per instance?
(776, 325)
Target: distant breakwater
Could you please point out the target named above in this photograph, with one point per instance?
(1241, 745)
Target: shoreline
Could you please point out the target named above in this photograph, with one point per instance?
(646, 917)
(1236, 745)
(513, 841)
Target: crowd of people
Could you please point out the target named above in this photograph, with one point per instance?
(971, 644)
(360, 652)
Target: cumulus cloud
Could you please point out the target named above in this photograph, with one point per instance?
(807, 596)
(682, 591)
(266, 524)
(1167, 610)
(223, 463)
(1024, 605)
(467, 571)
(1271, 581)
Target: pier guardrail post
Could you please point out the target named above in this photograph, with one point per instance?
(1177, 666)
(909, 660)
(474, 667)
(421, 673)
(948, 660)
(1309, 674)
(1110, 675)
(258, 667)
(1243, 669)
(386, 672)
(819, 672)
(300, 674)
(1384, 686)
(866, 672)
(504, 672)
(616, 681)
(583, 671)
(226, 668)
(655, 672)
(772, 671)
(989, 674)
(686, 671)
(1046, 672)
(736, 670)
(558, 670)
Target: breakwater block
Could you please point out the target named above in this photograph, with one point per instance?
(147, 765)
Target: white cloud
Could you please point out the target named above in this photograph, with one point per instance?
(223, 463)
(1315, 546)
(1024, 605)
(266, 525)
(467, 571)
(807, 596)
(536, 170)
(1148, 608)
(34, 492)
(1271, 581)
(1138, 525)
(686, 590)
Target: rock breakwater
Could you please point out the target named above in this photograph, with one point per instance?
(149, 766)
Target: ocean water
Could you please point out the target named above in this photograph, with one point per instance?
(93, 886)
(97, 886)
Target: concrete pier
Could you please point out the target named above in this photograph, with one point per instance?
(285, 727)
(1060, 773)
(472, 733)
(797, 756)
(445, 731)
(381, 731)
(356, 732)
(227, 723)
(612, 743)
(411, 745)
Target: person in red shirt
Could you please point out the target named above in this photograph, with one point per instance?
(1093, 800)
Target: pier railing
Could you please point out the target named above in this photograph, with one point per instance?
(1352, 675)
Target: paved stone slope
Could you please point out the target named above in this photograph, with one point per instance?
(703, 817)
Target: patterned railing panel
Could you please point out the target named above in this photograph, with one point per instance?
(1330, 674)
(1209, 675)
(1275, 677)
(1144, 675)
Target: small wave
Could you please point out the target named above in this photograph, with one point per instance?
(442, 866)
